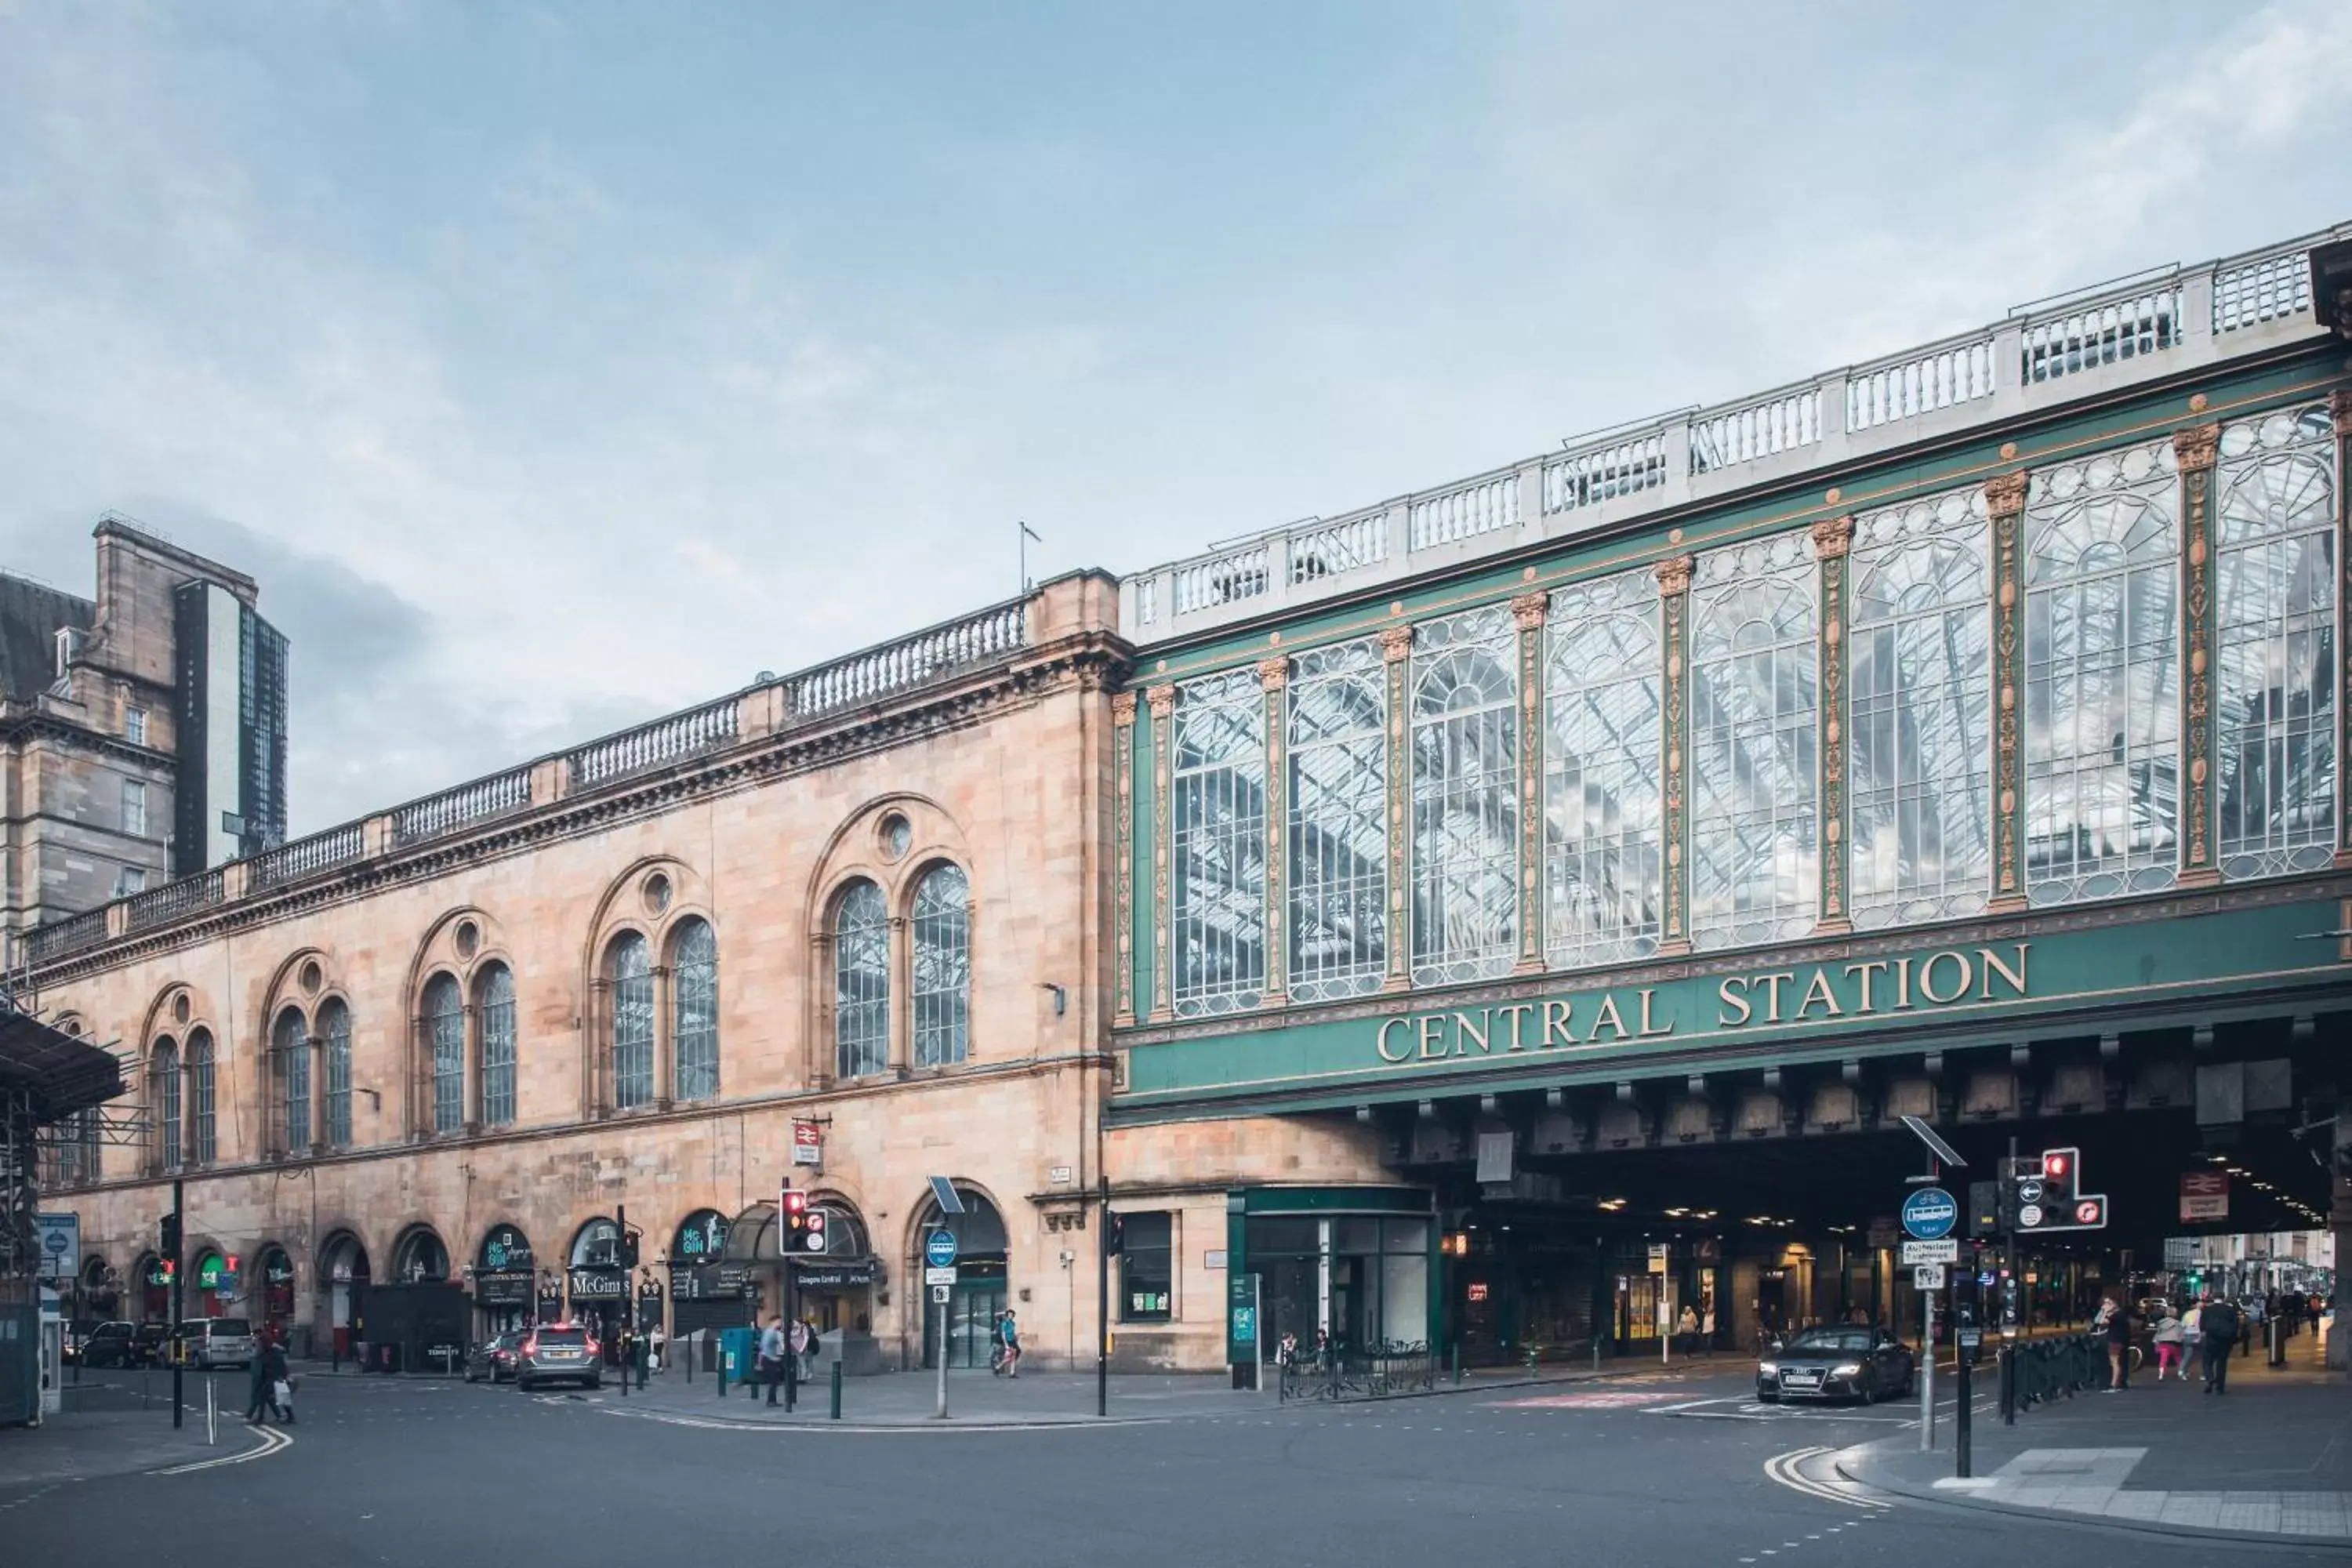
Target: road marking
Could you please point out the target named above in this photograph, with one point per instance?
(1788, 1470)
(272, 1441)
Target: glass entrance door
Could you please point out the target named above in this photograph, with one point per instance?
(972, 1310)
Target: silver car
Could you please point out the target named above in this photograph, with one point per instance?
(218, 1341)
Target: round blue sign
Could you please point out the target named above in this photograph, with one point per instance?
(1930, 1214)
(940, 1249)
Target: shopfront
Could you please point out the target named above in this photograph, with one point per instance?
(597, 1286)
(215, 1284)
(1353, 1266)
(709, 1289)
(343, 1265)
(277, 1273)
(154, 1277)
(503, 1276)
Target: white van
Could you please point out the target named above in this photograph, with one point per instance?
(218, 1341)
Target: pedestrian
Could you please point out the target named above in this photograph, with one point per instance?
(2171, 1338)
(773, 1348)
(1687, 1326)
(1706, 1327)
(2217, 1327)
(660, 1344)
(2116, 1324)
(257, 1402)
(800, 1347)
(272, 1392)
(1008, 1346)
(815, 1348)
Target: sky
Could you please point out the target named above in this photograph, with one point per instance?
(555, 367)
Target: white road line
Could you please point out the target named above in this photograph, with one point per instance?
(272, 1441)
(1787, 1469)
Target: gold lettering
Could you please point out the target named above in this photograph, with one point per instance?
(1464, 1028)
(1902, 984)
(1386, 1024)
(1556, 1017)
(1927, 977)
(1876, 965)
(1608, 1019)
(1772, 993)
(1723, 1017)
(1819, 991)
(1991, 961)
(1432, 1028)
(1646, 995)
(1515, 1012)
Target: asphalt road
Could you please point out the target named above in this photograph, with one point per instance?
(1676, 1472)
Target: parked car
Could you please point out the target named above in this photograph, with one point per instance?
(1867, 1364)
(558, 1352)
(150, 1343)
(494, 1358)
(218, 1341)
(103, 1344)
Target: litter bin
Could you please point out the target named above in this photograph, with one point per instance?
(738, 1353)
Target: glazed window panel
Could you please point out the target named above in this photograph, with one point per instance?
(2275, 612)
(1754, 824)
(861, 981)
(335, 1028)
(1920, 683)
(1219, 848)
(495, 1007)
(289, 1045)
(204, 1141)
(942, 922)
(2103, 676)
(1465, 797)
(164, 1085)
(695, 1011)
(445, 1029)
(1602, 851)
(633, 1021)
(1337, 831)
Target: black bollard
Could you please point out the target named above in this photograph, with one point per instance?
(836, 1388)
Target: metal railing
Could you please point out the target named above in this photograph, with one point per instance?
(463, 806)
(1328, 549)
(301, 858)
(900, 666)
(2034, 1372)
(664, 740)
(1377, 1372)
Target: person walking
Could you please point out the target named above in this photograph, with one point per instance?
(1008, 1345)
(2217, 1330)
(258, 1394)
(813, 1347)
(660, 1344)
(2171, 1338)
(1686, 1327)
(800, 1337)
(773, 1348)
(2115, 1326)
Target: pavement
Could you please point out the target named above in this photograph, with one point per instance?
(2272, 1459)
(119, 1422)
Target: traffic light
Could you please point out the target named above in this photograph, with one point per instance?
(1985, 1208)
(803, 1227)
(170, 1238)
(628, 1249)
(812, 1237)
(2050, 1194)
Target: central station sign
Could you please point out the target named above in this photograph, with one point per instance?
(1813, 994)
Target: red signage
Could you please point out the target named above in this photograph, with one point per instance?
(2204, 1195)
(808, 1143)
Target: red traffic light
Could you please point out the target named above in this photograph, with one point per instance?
(2055, 1163)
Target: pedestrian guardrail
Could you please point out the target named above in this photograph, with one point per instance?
(2037, 1371)
(1380, 1371)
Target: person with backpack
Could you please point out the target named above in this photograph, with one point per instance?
(2218, 1324)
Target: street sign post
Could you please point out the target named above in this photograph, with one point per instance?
(60, 1245)
(1930, 1213)
(939, 1277)
(1945, 1251)
(940, 1249)
(1927, 1276)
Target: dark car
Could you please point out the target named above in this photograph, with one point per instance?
(558, 1352)
(1867, 1364)
(150, 1343)
(494, 1358)
(105, 1344)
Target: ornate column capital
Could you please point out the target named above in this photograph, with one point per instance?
(2195, 444)
(1395, 643)
(1528, 610)
(1162, 699)
(1673, 576)
(2005, 494)
(1122, 708)
(1274, 674)
(1832, 537)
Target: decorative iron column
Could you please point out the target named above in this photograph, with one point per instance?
(1122, 720)
(1274, 676)
(1396, 649)
(1673, 592)
(2339, 409)
(1832, 539)
(2195, 448)
(2005, 504)
(1529, 612)
(1162, 702)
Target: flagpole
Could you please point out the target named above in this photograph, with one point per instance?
(1027, 533)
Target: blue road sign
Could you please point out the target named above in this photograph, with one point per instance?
(1930, 1214)
(940, 1249)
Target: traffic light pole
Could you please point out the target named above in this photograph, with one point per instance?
(1102, 1304)
(791, 1322)
(178, 1300)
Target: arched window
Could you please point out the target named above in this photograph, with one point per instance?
(1465, 797)
(1339, 822)
(694, 1021)
(2103, 676)
(163, 1095)
(2274, 614)
(335, 1028)
(861, 981)
(942, 967)
(445, 1025)
(289, 1064)
(629, 962)
(202, 1143)
(1604, 860)
(494, 1005)
(1218, 842)
(1755, 846)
